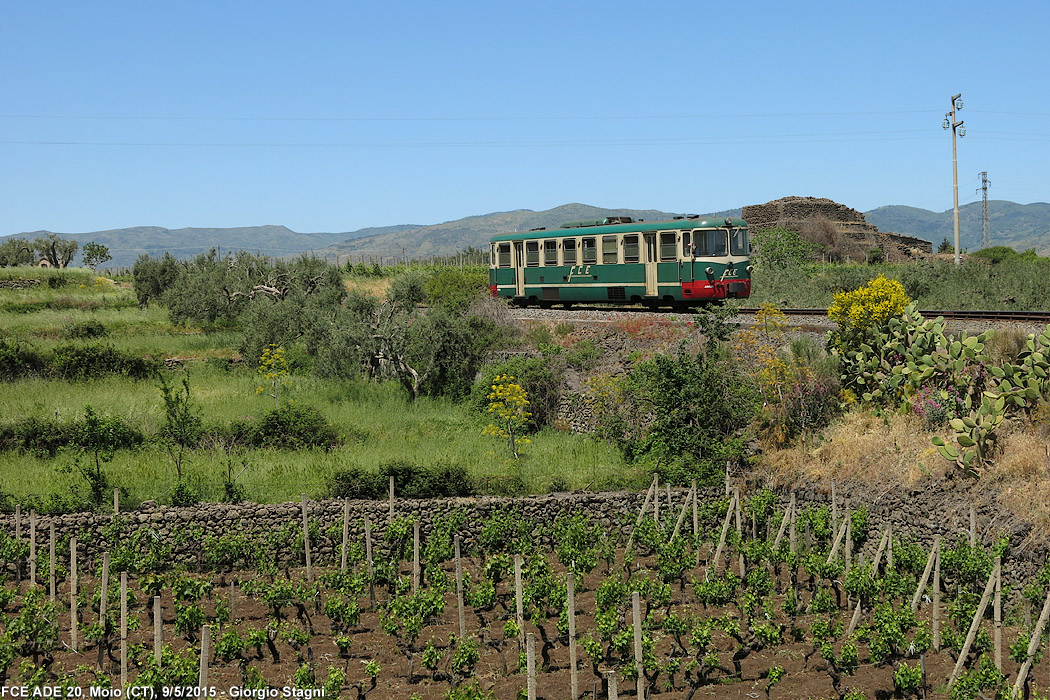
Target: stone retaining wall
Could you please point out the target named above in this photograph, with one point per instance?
(919, 514)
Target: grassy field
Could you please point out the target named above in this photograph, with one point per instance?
(375, 422)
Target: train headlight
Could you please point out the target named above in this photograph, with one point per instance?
(750, 269)
(710, 270)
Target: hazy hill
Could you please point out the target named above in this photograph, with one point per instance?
(452, 236)
(126, 244)
(1021, 226)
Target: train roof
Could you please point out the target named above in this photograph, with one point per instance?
(605, 226)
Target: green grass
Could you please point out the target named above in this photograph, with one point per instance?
(376, 422)
(932, 284)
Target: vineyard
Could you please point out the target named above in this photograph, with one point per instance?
(693, 594)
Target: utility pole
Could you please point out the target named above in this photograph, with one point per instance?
(985, 182)
(957, 128)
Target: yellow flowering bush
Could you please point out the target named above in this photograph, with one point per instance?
(871, 305)
(274, 369)
(509, 406)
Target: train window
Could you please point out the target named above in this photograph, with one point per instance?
(590, 252)
(686, 251)
(630, 248)
(710, 243)
(610, 255)
(738, 243)
(668, 246)
(532, 253)
(568, 251)
(504, 254)
(550, 252)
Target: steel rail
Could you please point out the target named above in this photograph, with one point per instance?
(982, 315)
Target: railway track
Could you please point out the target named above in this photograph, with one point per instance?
(976, 315)
(600, 314)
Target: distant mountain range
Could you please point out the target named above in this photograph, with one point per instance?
(1021, 226)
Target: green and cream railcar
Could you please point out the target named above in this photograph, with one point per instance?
(686, 261)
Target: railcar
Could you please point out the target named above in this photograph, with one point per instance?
(687, 261)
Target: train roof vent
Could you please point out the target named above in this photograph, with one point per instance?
(693, 216)
(677, 218)
(541, 228)
(619, 220)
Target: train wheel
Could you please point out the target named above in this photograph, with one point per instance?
(567, 305)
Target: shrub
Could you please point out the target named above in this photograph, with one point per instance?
(73, 362)
(17, 360)
(87, 329)
(871, 305)
(455, 289)
(48, 436)
(294, 427)
(780, 247)
(540, 377)
(411, 480)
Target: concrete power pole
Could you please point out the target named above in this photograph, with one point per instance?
(985, 182)
(957, 128)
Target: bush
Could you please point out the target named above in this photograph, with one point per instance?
(293, 427)
(73, 362)
(455, 289)
(87, 329)
(540, 377)
(17, 361)
(410, 481)
(48, 436)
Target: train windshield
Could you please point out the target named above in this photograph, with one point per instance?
(709, 243)
(738, 242)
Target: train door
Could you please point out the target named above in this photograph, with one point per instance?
(519, 270)
(651, 288)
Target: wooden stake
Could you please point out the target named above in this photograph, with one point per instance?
(116, 501)
(233, 591)
(123, 629)
(974, 626)
(530, 664)
(638, 522)
(158, 630)
(889, 546)
(102, 605)
(459, 592)
(936, 625)
(390, 512)
(32, 548)
(415, 557)
(973, 526)
(837, 543)
(997, 614)
(346, 533)
(834, 508)
(1033, 645)
(73, 594)
(636, 605)
(713, 564)
(519, 614)
(306, 543)
(570, 599)
(696, 517)
(681, 515)
(18, 541)
(848, 554)
(610, 682)
(371, 568)
(51, 562)
(783, 528)
(656, 499)
(926, 573)
(205, 653)
(793, 535)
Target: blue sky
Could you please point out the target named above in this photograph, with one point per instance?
(332, 116)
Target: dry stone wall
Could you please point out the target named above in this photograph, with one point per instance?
(919, 513)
